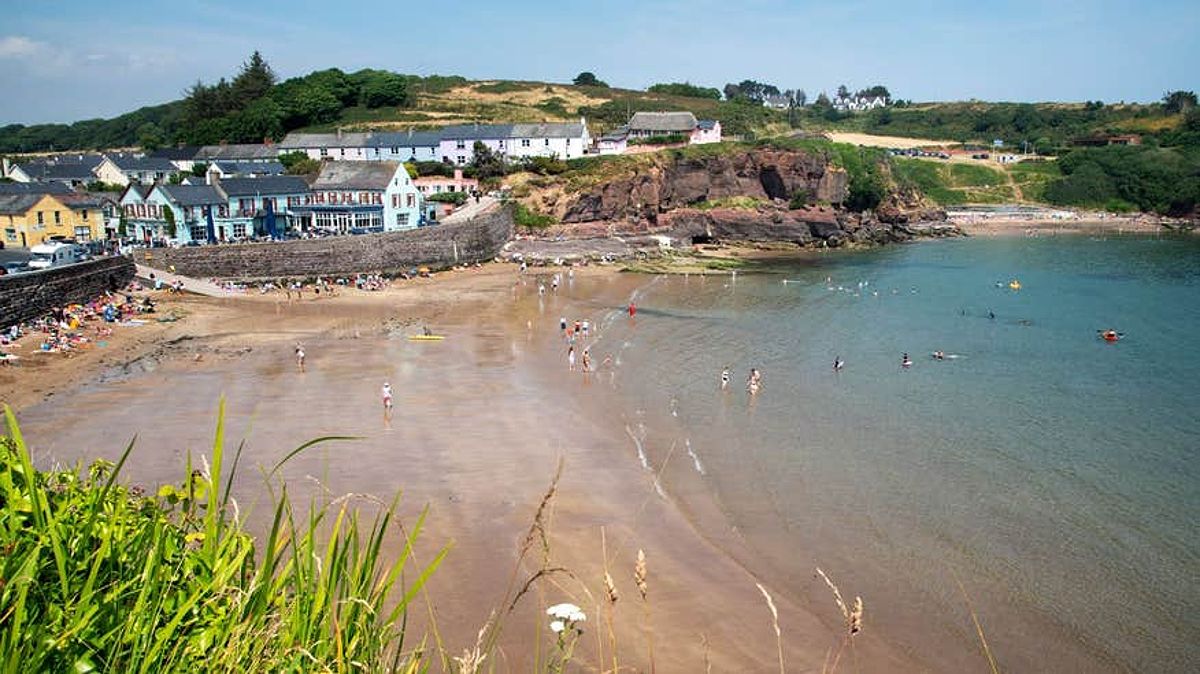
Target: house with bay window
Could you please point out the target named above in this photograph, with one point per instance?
(251, 202)
(362, 195)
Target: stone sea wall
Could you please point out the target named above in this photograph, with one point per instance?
(29, 295)
(392, 252)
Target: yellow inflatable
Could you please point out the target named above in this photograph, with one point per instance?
(1014, 284)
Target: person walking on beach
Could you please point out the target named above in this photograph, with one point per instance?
(571, 358)
(387, 399)
(300, 356)
(587, 362)
(585, 326)
(632, 309)
(562, 324)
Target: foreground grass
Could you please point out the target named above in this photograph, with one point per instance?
(98, 577)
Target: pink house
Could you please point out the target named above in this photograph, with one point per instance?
(438, 184)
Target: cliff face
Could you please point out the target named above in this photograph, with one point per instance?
(763, 174)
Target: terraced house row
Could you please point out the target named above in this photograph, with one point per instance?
(345, 196)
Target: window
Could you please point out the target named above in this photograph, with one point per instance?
(342, 152)
(85, 214)
(57, 218)
(411, 201)
(198, 232)
(547, 142)
(460, 145)
(239, 230)
(324, 152)
(223, 211)
(83, 233)
(524, 142)
(461, 160)
(402, 219)
(41, 218)
(11, 235)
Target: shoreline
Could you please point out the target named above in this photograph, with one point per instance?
(244, 345)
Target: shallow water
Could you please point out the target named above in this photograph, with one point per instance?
(1055, 475)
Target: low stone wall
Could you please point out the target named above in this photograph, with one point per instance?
(29, 295)
(438, 246)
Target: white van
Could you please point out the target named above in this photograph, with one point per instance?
(46, 255)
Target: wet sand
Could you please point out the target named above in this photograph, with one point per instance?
(481, 421)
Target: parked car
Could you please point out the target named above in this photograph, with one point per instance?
(13, 268)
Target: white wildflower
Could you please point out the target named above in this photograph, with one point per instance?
(568, 612)
(557, 626)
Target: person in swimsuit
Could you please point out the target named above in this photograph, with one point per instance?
(387, 398)
(300, 356)
(587, 362)
(754, 381)
(725, 378)
(838, 364)
(571, 358)
(905, 361)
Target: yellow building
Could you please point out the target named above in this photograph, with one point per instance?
(30, 219)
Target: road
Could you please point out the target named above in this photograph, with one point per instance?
(470, 210)
(190, 284)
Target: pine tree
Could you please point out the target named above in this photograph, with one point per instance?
(253, 82)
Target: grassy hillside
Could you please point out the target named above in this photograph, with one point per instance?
(1046, 127)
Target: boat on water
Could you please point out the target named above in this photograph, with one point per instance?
(1110, 335)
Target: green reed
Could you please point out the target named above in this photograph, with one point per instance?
(96, 576)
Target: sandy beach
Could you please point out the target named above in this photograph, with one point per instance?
(482, 420)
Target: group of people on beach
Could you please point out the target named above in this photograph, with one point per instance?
(753, 380)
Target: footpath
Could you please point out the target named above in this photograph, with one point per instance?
(192, 285)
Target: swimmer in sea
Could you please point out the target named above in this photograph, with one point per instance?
(387, 398)
(725, 378)
(838, 364)
(754, 381)
(939, 355)
(905, 361)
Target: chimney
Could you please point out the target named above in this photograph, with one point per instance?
(214, 178)
(458, 175)
(267, 141)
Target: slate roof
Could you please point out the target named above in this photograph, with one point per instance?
(77, 200)
(58, 170)
(183, 153)
(35, 188)
(130, 163)
(489, 131)
(18, 204)
(663, 122)
(707, 124)
(299, 141)
(193, 195)
(258, 167)
(266, 185)
(237, 152)
(355, 175)
(408, 138)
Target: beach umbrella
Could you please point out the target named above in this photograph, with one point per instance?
(212, 229)
(271, 218)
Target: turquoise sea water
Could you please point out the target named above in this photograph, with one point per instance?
(1054, 475)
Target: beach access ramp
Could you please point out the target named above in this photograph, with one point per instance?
(192, 285)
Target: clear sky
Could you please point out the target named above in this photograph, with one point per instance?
(76, 59)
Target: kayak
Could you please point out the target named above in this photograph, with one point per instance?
(1110, 336)
(426, 338)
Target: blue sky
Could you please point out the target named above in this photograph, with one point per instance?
(70, 59)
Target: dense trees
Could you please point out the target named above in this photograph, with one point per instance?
(750, 91)
(1179, 101)
(685, 89)
(1129, 177)
(588, 79)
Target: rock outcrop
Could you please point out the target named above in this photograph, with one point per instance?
(763, 174)
(907, 205)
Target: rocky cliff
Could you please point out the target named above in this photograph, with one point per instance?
(762, 174)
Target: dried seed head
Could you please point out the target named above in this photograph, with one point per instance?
(856, 616)
(639, 573)
(611, 588)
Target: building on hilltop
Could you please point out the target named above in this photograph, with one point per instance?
(658, 124)
(613, 142)
(121, 169)
(1107, 139)
(362, 195)
(777, 101)
(859, 103)
(427, 185)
